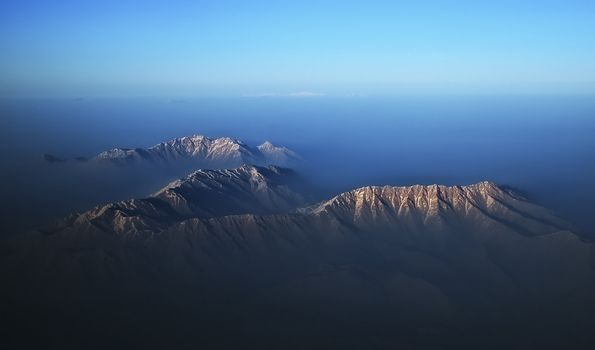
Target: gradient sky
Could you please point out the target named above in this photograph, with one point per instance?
(79, 48)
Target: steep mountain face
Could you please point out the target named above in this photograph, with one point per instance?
(207, 152)
(202, 194)
(434, 266)
(484, 206)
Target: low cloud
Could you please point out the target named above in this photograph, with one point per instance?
(301, 94)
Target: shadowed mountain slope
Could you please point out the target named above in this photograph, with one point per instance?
(224, 256)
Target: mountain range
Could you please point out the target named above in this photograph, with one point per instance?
(236, 253)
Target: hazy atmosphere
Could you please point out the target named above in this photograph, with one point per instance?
(541, 145)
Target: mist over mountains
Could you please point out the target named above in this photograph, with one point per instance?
(540, 146)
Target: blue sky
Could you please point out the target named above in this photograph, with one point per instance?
(300, 48)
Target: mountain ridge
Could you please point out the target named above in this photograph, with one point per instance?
(202, 193)
(439, 201)
(221, 152)
(215, 193)
(463, 262)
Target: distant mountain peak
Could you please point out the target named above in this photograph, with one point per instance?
(222, 152)
(282, 155)
(267, 145)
